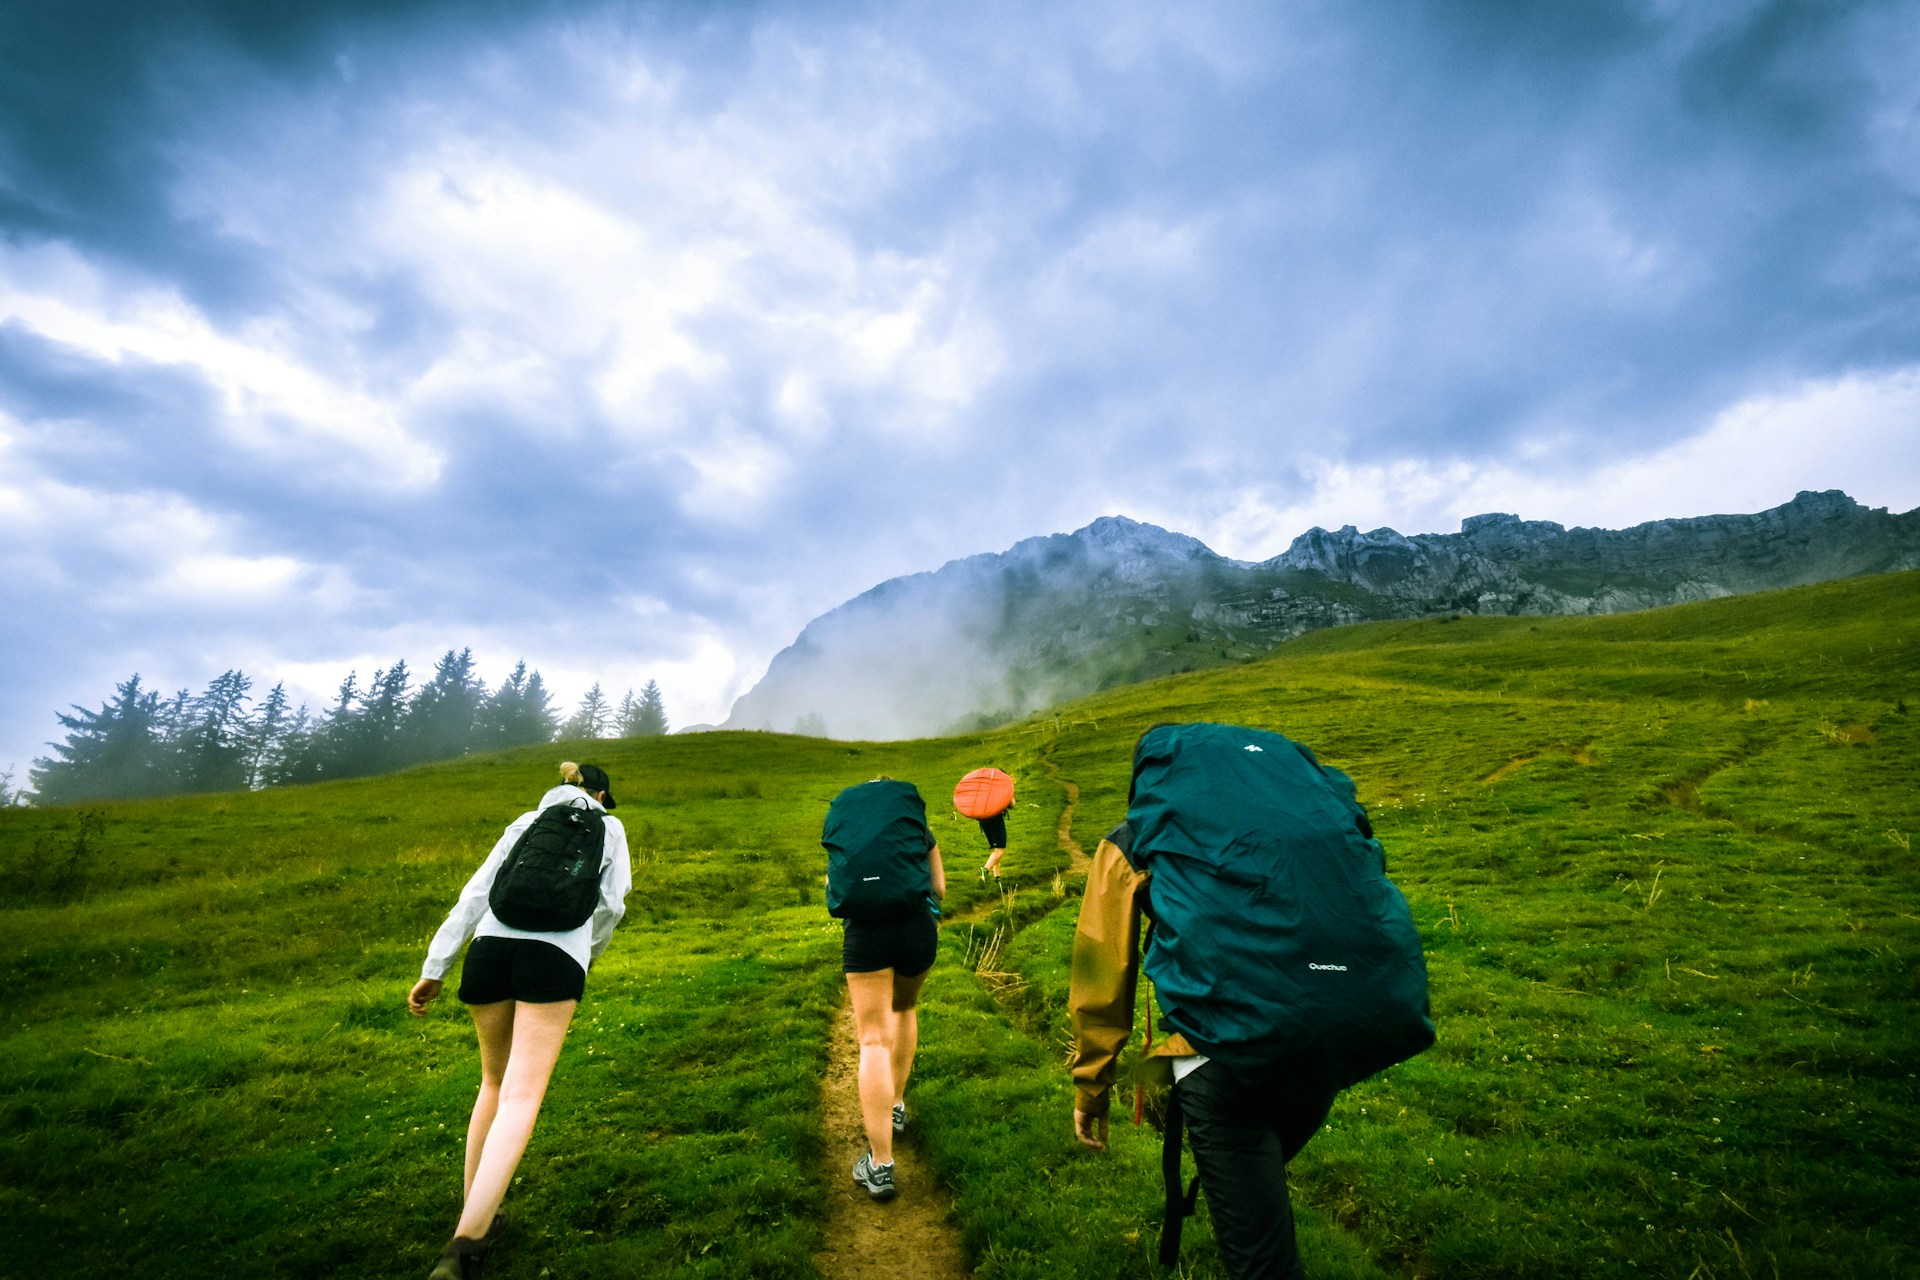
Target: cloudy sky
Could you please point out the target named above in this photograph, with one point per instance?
(628, 337)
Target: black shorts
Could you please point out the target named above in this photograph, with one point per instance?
(994, 829)
(906, 944)
(521, 969)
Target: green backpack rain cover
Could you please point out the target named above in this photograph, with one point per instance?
(877, 839)
(1278, 943)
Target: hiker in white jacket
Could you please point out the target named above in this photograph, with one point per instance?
(521, 986)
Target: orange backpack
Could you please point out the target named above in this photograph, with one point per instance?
(984, 793)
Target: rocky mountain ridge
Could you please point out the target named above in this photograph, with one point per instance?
(999, 635)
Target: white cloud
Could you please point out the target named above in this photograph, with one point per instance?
(277, 406)
(229, 580)
(698, 686)
(631, 255)
(1859, 433)
(151, 555)
(845, 297)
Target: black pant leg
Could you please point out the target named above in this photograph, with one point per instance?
(1242, 1137)
(1298, 1116)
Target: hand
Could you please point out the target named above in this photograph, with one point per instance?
(424, 993)
(1091, 1130)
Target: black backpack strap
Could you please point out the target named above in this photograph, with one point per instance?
(1179, 1207)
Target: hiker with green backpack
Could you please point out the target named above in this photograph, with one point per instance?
(1285, 965)
(884, 883)
(540, 910)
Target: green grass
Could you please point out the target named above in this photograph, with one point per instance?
(1661, 863)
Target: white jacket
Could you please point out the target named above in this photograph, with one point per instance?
(472, 918)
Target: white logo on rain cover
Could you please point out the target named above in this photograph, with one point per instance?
(1251, 747)
(1337, 968)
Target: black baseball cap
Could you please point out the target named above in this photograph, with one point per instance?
(594, 779)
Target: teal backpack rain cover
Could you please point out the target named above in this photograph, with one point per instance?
(1278, 943)
(877, 840)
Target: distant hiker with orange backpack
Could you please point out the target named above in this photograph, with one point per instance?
(986, 795)
(1285, 964)
(540, 910)
(884, 880)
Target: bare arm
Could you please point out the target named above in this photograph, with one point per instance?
(465, 916)
(938, 872)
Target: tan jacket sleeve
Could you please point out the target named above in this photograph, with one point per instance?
(1106, 962)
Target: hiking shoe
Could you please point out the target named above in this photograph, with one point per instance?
(460, 1260)
(876, 1178)
(899, 1117)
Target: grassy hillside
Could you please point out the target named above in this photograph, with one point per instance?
(1661, 862)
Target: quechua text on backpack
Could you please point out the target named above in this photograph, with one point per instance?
(877, 840)
(550, 881)
(1278, 945)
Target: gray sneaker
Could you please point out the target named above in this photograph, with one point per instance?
(899, 1117)
(876, 1178)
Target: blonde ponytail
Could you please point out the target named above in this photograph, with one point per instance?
(570, 772)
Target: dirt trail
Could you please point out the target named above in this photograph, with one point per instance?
(910, 1237)
(907, 1238)
(1063, 830)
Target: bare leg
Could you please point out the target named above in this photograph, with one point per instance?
(871, 995)
(538, 1032)
(493, 1023)
(906, 1036)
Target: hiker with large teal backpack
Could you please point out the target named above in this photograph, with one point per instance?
(884, 880)
(1285, 965)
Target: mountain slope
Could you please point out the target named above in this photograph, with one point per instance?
(1661, 863)
(991, 637)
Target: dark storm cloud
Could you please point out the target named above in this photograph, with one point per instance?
(93, 92)
(1515, 214)
(133, 414)
(714, 316)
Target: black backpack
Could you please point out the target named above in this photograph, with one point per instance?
(1278, 946)
(877, 839)
(550, 881)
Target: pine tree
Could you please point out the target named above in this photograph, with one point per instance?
(111, 753)
(520, 711)
(298, 747)
(444, 719)
(592, 718)
(652, 720)
(626, 721)
(498, 711)
(210, 740)
(272, 737)
(383, 709)
(329, 749)
(538, 723)
(173, 726)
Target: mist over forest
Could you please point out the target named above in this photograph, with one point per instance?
(139, 744)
